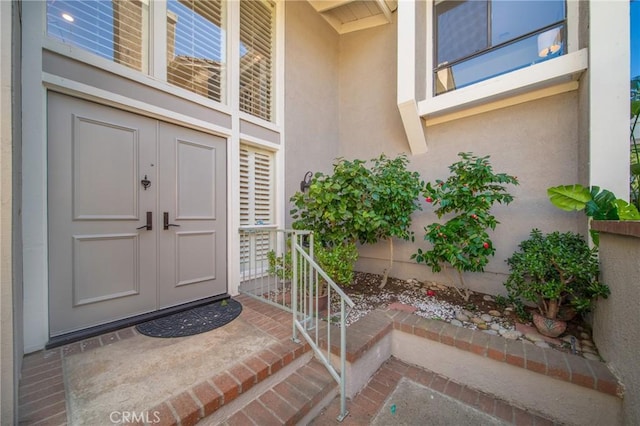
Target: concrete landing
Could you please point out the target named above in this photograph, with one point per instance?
(413, 404)
(138, 373)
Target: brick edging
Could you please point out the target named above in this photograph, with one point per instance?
(555, 364)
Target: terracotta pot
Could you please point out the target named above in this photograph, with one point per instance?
(549, 327)
(323, 302)
(567, 313)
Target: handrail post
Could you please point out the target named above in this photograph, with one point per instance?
(343, 363)
(294, 286)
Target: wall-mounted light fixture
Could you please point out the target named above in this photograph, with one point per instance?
(306, 181)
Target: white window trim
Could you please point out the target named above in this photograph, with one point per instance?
(156, 77)
(123, 71)
(545, 73)
(547, 78)
(549, 73)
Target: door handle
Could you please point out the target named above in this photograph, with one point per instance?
(148, 226)
(166, 221)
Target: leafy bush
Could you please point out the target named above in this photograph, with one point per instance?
(462, 243)
(552, 269)
(360, 203)
(337, 261)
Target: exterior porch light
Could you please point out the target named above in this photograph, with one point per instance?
(306, 181)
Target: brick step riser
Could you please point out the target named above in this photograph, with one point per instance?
(561, 400)
(294, 395)
(547, 382)
(227, 410)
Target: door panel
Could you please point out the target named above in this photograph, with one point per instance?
(104, 265)
(101, 268)
(105, 170)
(193, 261)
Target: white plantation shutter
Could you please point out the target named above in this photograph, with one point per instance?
(256, 186)
(256, 203)
(256, 57)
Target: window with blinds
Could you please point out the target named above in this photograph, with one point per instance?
(256, 58)
(116, 30)
(256, 203)
(196, 46)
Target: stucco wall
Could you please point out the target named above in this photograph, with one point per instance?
(311, 95)
(10, 274)
(616, 325)
(536, 141)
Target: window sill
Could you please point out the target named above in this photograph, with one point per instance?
(123, 71)
(537, 81)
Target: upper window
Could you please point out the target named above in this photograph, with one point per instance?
(115, 30)
(257, 37)
(480, 39)
(196, 46)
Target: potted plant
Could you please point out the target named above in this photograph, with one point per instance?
(337, 261)
(552, 271)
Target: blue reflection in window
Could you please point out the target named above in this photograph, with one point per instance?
(197, 36)
(509, 58)
(511, 18)
(91, 28)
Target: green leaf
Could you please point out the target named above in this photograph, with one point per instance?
(635, 169)
(569, 197)
(635, 108)
(602, 206)
(627, 211)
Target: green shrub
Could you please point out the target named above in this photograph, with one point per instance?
(462, 243)
(553, 269)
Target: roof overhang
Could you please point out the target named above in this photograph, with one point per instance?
(352, 15)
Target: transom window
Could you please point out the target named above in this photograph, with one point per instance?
(115, 30)
(256, 57)
(195, 48)
(480, 39)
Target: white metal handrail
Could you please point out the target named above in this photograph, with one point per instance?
(307, 318)
(278, 267)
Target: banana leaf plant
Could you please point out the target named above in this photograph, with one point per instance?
(599, 204)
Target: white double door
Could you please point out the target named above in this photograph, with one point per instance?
(137, 214)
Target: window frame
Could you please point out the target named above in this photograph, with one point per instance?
(490, 48)
(156, 74)
(556, 75)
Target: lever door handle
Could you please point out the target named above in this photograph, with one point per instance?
(149, 225)
(166, 221)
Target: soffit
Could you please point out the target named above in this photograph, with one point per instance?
(352, 15)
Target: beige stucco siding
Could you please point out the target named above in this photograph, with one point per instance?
(615, 325)
(311, 94)
(536, 141)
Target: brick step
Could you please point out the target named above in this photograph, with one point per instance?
(379, 394)
(560, 386)
(295, 399)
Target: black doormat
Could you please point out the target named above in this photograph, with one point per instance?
(192, 321)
